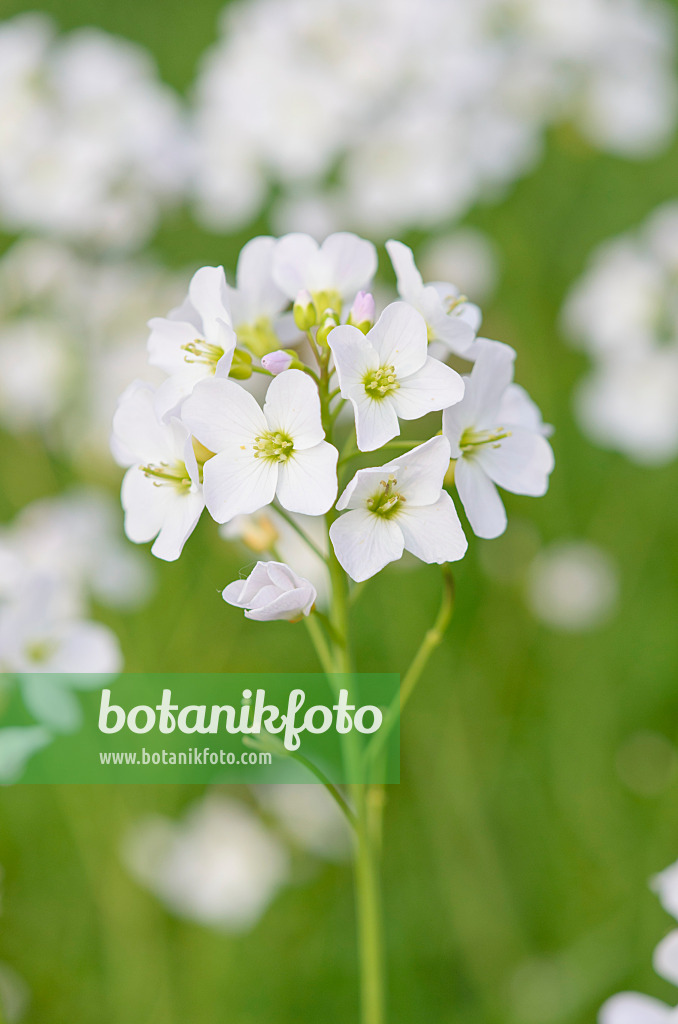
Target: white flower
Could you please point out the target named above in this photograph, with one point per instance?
(449, 317)
(630, 1008)
(161, 492)
(387, 374)
(272, 591)
(309, 817)
(256, 302)
(497, 438)
(195, 341)
(398, 507)
(333, 272)
(573, 586)
(280, 451)
(219, 866)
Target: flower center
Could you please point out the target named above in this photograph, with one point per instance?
(380, 383)
(200, 351)
(162, 473)
(472, 439)
(274, 446)
(39, 651)
(327, 299)
(258, 336)
(386, 500)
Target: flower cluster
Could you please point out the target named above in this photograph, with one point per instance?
(331, 368)
(632, 1008)
(92, 144)
(415, 110)
(56, 558)
(623, 312)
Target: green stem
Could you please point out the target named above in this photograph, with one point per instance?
(297, 529)
(320, 643)
(329, 786)
(368, 908)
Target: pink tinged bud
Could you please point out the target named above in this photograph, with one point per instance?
(277, 362)
(362, 311)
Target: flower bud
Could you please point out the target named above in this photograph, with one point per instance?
(278, 361)
(241, 367)
(272, 591)
(330, 320)
(304, 311)
(362, 312)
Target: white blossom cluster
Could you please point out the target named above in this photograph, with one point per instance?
(70, 339)
(58, 557)
(632, 1008)
(623, 312)
(396, 114)
(201, 439)
(224, 862)
(92, 144)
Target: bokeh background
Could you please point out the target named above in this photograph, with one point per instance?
(539, 785)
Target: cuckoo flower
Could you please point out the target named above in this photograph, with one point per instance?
(272, 591)
(450, 319)
(497, 438)
(256, 302)
(332, 273)
(280, 451)
(398, 507)
(388, 374)
(161, 492)
(194, 341)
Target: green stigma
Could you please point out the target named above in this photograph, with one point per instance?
(162, 474)
(274, 446)
(200, 351)
(380, 383)
(472, 439)
(386, 501)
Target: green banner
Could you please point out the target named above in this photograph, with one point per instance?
(199, 728)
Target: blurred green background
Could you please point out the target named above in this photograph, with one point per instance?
(517, 857)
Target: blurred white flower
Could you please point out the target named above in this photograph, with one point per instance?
(219, 866)
(388, 375)
(256, 302)
(162, 492)
(397, 507)
(309, 817)
(14, 995)
(497, 438)
(573, 586)
(279, 451)
(624, 312)
(467, 256)
(92, 144)
(272, 591)
(392, 115)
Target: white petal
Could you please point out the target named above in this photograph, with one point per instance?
(51, 704)
(480, 498)
(520, 463)
(207, 292)
(222, 414)
(293, 255)
(87, 647)
(166, 341)
(400, 338)
(181, 519)
(351, 261)
(420, 472)
(409, 280)
(435, 386)
(238, 484)
(376, 422)
(138, 434)
(145, 503)
(456, 334)
(365, 543)
(254, 277)
(307, 483)
(354, 356)
(629, 1008)
(173, 391)
(289, 605)
(363, 485)
(665, 960)
(433, 532)
(491, 375)
(293, 406)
